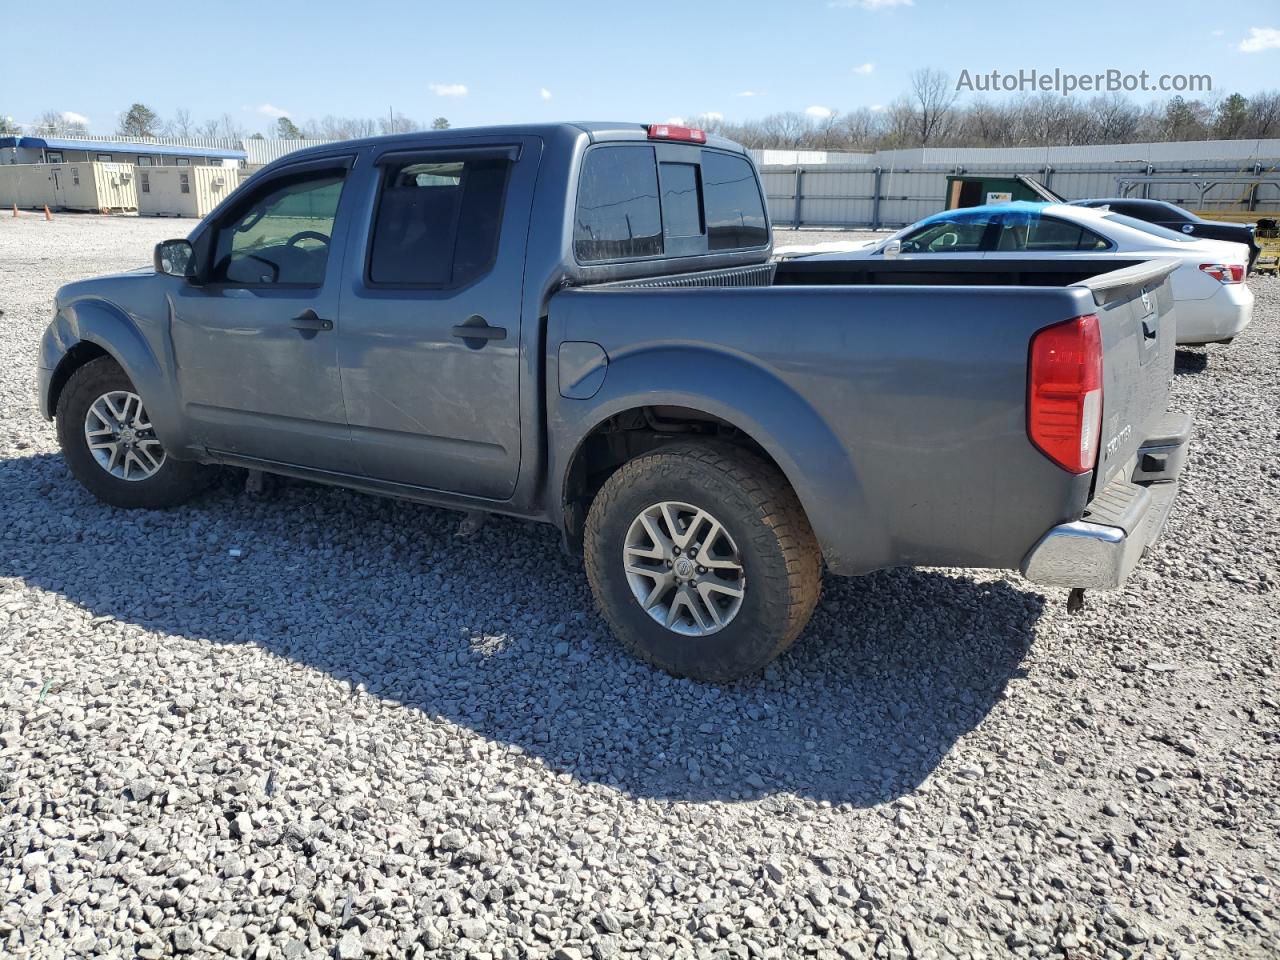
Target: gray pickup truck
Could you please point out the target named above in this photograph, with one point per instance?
(582, 324)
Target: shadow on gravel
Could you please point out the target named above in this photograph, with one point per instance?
(497, 633)
(1186, 361)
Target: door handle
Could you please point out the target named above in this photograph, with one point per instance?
(477, 328)
(309, 321)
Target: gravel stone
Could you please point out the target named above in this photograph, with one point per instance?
(367, 737)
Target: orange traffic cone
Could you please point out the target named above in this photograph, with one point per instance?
(47, 214)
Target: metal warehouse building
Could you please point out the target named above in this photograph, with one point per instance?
(142, 153)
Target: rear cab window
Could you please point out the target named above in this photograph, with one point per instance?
(635, 203)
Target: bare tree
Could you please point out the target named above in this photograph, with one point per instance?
(54, 123)
(933, 96)
(180, 124)
(397, 123)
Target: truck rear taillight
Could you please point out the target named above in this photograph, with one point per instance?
(1064, 394)
(669, 131)
(1224, 272)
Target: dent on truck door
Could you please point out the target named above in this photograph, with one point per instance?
(430, 345)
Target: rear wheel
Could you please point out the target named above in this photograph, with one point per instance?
(702, 561)
(111, 447)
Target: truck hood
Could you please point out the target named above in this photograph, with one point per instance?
(102, 286)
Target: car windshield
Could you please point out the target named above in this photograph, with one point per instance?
(1154, 229)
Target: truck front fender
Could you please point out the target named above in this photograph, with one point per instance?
(113, 332)
(732, 388)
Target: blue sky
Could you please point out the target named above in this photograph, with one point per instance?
(487, 62)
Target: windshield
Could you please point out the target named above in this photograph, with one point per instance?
(1154, 229)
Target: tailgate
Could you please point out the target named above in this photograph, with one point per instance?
(1136, 317)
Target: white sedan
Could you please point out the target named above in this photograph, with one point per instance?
(1213, 303)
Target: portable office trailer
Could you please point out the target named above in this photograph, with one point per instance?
(183, 191)
(91, 187)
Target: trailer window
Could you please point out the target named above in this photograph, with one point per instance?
(734, 209)
(618, 216)
(437, 223)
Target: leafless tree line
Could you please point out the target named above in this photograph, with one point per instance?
(930, 115)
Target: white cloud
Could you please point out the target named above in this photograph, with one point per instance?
(269, 110)
(544, 93)
(865, 68)
(448, 89)
(821, 113)
(877, 108)
(72, 117)
(747, 93)
(1259, 39)
(871, 4)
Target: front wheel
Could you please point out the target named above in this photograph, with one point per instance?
(111, 447)
(701, 560)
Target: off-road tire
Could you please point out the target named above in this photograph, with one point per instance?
(174, 483)
(780, 555)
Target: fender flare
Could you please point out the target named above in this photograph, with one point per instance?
(735, 389)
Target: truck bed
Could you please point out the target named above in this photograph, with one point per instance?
(892, 395)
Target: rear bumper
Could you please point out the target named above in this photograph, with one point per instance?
(1100, 550)
(1216, 318)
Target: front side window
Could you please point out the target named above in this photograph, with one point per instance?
(735, 211)
(437, 223)
(282, 236)
(618, 215)
(957, 233)
(1032, 233)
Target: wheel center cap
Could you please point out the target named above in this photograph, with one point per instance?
(127, 434)
(684, 567)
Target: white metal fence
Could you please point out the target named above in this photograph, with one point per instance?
(827, 195)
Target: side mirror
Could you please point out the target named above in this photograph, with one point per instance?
(175, 258)
(892, 249)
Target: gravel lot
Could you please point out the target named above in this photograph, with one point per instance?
(366, 737)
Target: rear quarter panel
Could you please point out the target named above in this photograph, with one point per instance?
(897, 414)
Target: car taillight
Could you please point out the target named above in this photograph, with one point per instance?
(1224, 272)
(669, 131)
(1064, 394)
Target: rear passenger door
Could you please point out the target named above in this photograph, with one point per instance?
(430, 349)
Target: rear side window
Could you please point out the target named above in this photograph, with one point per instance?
(1032, 233)
(618, 215)
(437, 223)
(734, 210)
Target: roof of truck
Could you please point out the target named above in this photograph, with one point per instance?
(597, 130)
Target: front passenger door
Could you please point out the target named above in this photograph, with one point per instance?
(255, 337)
